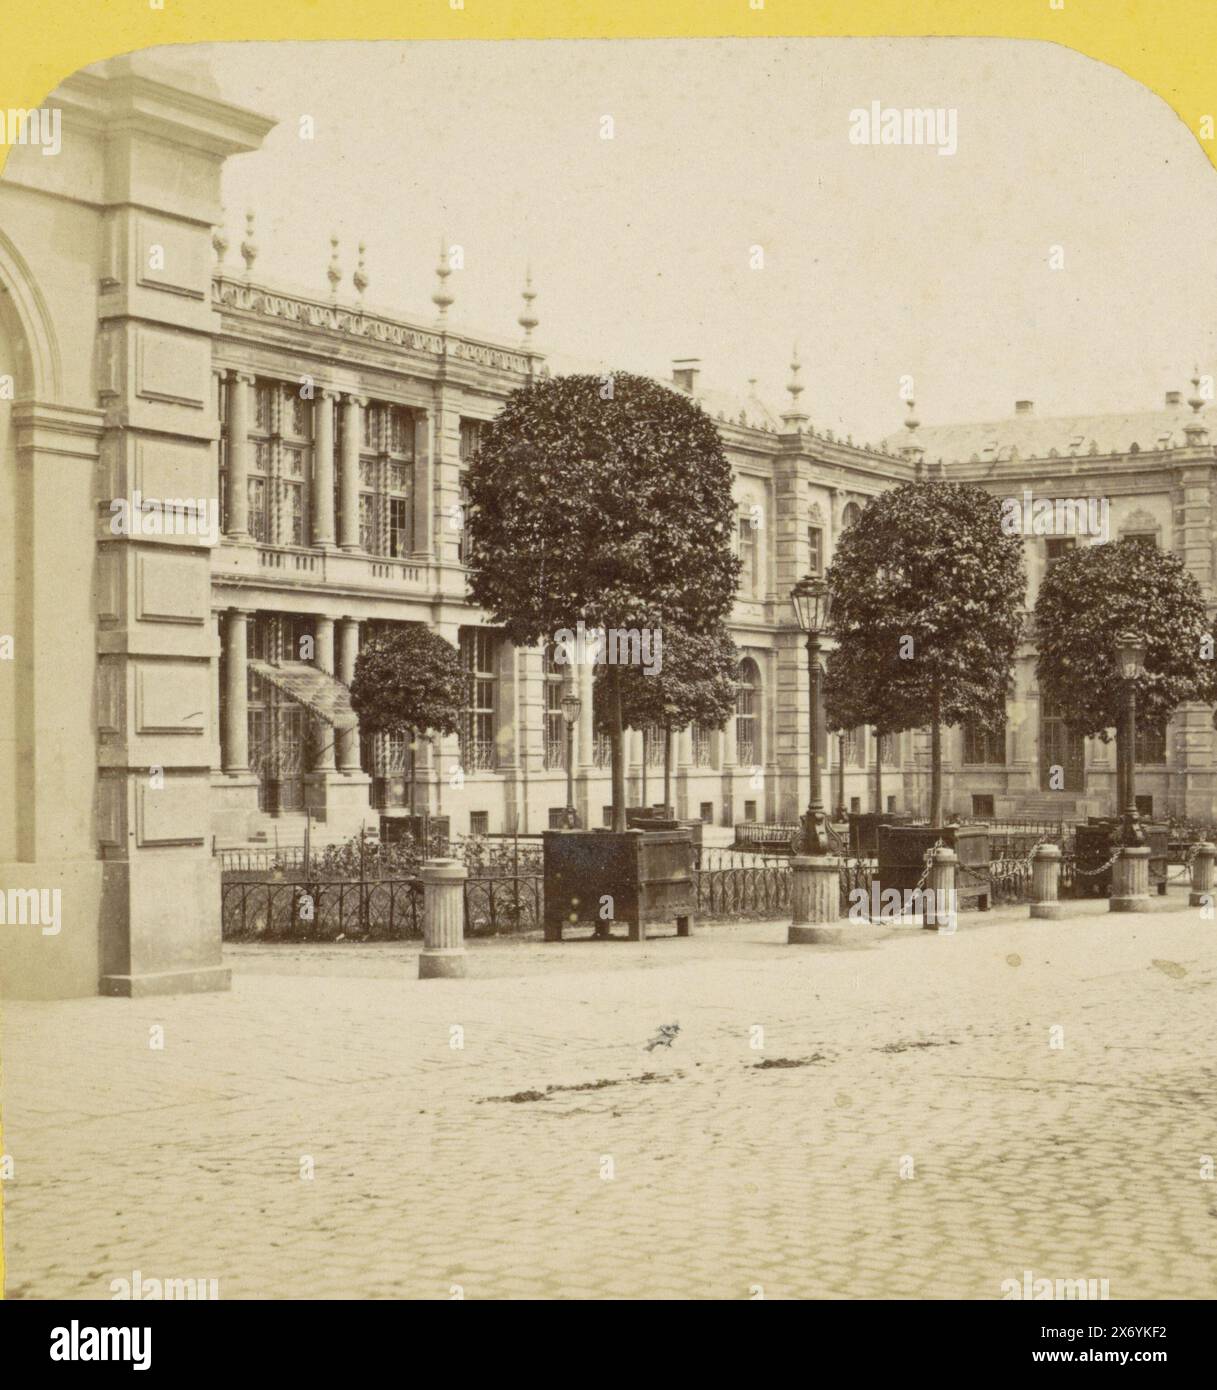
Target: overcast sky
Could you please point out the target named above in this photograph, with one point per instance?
(879, 261)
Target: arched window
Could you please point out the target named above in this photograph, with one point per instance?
(850, 515)
(748, 713)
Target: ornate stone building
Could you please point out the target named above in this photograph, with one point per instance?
(163, 694)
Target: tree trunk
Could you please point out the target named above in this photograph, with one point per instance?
(878, 773)
(616, 749)
(667, 768)
(936, 762)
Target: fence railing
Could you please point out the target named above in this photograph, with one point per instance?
(743, 892)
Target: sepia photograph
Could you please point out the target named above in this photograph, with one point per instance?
(607, 681)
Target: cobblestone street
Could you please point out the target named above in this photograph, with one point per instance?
(887, 1122)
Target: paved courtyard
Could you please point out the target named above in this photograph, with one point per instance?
(925, 1118)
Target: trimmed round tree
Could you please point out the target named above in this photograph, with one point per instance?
(695, 685)
(927, 594)
(604, 501)
(1094, 595)
(410, 681)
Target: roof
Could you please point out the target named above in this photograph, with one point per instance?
(1031, 436)
(311, 687)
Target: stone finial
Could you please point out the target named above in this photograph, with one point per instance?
(249, 247)
(1196, 431)
(334, 271)
(794, 418)
(219, 240)
(443, 296)
(911, 449)
(528, 315)
(360, 278)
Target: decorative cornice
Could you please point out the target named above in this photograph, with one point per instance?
(355, 323)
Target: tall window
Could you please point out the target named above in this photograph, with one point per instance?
(653, 740)
(815, 544)
(851, 515)
(602, 750)
(1056, 549)
(750, 555)
(855, 741)
(747, 705)
(386, 476)
(280, 461)
(984, 746)
(1151, 745)
(479, 653)
(555, 724)
(889, 748)
(701, 746)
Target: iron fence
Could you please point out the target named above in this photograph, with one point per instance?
(743, 892)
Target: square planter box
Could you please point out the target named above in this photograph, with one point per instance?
(1093, 846)
(649, 875)
(902, 851)
(864, 831)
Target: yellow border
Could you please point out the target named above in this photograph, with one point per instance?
(1169, 45)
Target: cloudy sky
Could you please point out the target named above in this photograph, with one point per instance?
(879, 261)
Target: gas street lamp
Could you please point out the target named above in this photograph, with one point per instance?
(571, 706)
(812, 606)
(1130, 662)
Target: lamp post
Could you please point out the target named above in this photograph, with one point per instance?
(1130, 661)
(571, 707)
(812, 606)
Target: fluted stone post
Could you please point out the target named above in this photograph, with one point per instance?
(348, 649)
(235, 750)
(1202, 875)
(940, 883)
(1130, 880)
(1046, 882)
(348, 471)
(815, 897)
(443, 954)
(240, 413)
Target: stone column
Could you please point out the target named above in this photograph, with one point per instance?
(323, 471)
(1130, 880)
(348, 650)
(348, 472)
(323, 631)
(1045, 882)
(1202, 875)
(424, 489)
(815, 896)
(236, 689)
(240, 416)
(443, 955)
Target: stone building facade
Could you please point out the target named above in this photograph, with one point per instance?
(167, 690)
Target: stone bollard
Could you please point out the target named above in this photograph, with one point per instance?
(443, 954)
(1202, 875)
(1046, 882)
(1130, 880)
(815, 899)
(940, 883)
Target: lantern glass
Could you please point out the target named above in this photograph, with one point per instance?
(812, 604)
(1130, 655)
(571, 705)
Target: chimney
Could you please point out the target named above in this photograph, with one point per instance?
(1174, 398)
(1024, 407)
(684, 372)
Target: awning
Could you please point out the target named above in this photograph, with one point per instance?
(311, 687)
